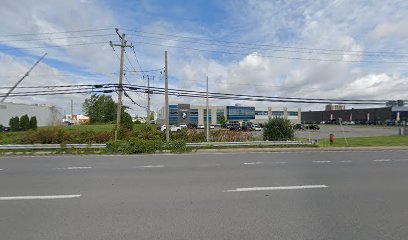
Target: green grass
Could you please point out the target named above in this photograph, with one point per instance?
(381, 141)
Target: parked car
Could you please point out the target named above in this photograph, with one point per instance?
(172, 128)
(256, 127)
(234, 128)
(183, 126)
(192, 125)
(313, 127)
(200, 127)
(212, 127)
(299, 127)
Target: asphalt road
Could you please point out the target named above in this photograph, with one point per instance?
(348, 131)
(299, 195)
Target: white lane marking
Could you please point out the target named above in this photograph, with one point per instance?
(346, 161)
(276, 188)
(72, 168)
(210, 165)
(279, 162)
(253, 163)
(321, 161)
(1, 169)
(39, 197)
(150, 166)
(382, 160)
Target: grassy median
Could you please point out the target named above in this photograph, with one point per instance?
(380, 141)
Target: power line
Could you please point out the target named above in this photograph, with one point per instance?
(275, 56)
(265, 45)
(275, 49)
(55, 46)
(50, 33)
(56, 38)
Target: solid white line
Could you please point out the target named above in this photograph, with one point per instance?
(279, 162)
(276, 188)
(382, 160)
(321, 161)
(72, 168)
(39, 197)
(253, 163)
(346, 161)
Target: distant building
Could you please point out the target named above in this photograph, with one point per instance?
(46, 115)
(186, 113)
(334, 107)
(398, 103)
(75, 119)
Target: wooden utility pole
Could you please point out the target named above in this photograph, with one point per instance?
(120, 87)
(166, 97)
(148, 100)
(207, 126)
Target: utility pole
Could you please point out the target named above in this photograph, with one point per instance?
(21, 79)
(72, 108)
(120, 87)
(208, 123)
(148, 100)
(166, 97)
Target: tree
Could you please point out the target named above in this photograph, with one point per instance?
(33, 123)
(278, 129)
(126, 121)
(100, 108)
(222, 120)
(24, 122)
(14, 124)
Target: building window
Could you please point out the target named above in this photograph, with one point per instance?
(261, 113)
(194, 116)
(293, 114)
(239, 113)
(209, 115)
(277, 113)
(220, 112)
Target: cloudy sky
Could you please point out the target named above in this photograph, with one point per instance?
(318, 49)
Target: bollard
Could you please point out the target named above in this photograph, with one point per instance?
(331, 138)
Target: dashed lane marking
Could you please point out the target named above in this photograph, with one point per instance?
(276, 188)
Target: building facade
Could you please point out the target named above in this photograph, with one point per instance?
(46, 115)
(378, 115)
(186, 114)
(334, 107)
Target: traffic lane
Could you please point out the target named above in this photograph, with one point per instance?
(36, 163)
(357, 210)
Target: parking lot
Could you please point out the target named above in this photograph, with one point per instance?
(348, 131)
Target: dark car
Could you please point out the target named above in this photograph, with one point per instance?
(299, 127)
(192, 126)
(313, 127)
(234, 128)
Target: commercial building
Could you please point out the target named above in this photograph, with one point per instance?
(373, 115)
(75, 119)
(186, 114)
(333, 107)
(46, 115)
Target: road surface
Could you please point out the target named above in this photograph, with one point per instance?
(299, 195)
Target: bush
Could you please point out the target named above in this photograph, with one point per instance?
(278, 129)
(188, 135)
(230, 136)
(134, 146)
(14, 124)
(24, 123)
(126, 121)
(177, 146)
(33, 123)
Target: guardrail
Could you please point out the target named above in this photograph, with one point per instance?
(100, 146)
(253, 143)
(48, 146)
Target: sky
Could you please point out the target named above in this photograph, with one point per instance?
(341, 49)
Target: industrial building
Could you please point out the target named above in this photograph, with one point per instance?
(186, 114)
(46, 115)
(372, 115)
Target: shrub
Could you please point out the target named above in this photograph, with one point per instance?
(126, 121)
(188, 135)
(14, 124)
(33, 123)
(134, 146)
(278, 129)
(177, 146)
(230, 136)
(24, 122)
